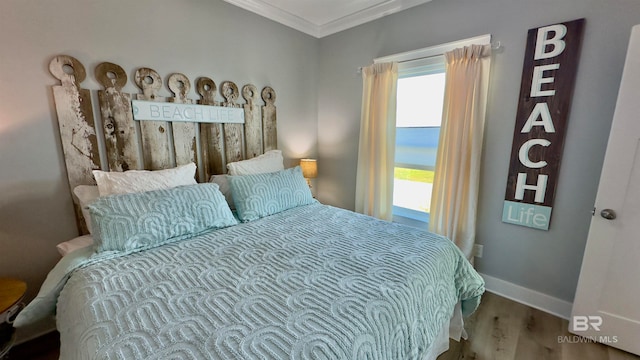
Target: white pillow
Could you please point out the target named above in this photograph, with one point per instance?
(86, 194)
(271, 161)
(132, 181)
(74, 244)
(225, 188)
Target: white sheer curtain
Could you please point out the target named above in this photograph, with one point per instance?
(374, 180)
(457, 174)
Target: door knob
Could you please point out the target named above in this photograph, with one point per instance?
(608, 214)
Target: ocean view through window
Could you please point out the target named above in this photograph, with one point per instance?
(419, 112)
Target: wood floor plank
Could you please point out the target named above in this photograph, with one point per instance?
(536, 340)
(497, 329)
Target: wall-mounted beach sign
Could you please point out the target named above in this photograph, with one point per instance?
(164, 111)
(548, 78)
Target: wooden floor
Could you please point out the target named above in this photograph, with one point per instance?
(500, 329)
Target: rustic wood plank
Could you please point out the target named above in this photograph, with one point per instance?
(269, 121)
(155, 134)
(211, 139)
(233, 136)
(121, 138)
(184, 133)
(252, 122)
(77, 126)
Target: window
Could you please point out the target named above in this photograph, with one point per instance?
(418, 116)
(420, 97)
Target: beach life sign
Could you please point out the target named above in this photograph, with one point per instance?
(165, 111)
(546, 90)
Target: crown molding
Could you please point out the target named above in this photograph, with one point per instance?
(347, 21)
(278, 15)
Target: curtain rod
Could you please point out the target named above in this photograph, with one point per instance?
(495, 45)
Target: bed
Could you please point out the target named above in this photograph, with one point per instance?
(311, 282)
(248, 266)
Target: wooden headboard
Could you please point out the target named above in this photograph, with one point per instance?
(114, 141)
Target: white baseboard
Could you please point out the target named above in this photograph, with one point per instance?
(535, 299)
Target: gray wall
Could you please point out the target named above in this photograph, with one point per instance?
(548, 262)
(194, 37)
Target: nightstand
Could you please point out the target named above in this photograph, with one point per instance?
(11, 294)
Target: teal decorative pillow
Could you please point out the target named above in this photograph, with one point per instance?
(259, 195)
(137, 221)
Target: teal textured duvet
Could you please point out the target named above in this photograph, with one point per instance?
(312, 282)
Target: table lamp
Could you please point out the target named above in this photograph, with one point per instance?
(309, 169)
